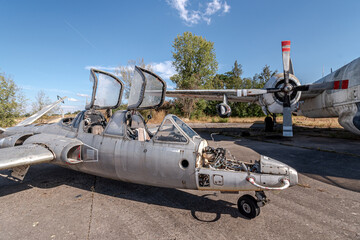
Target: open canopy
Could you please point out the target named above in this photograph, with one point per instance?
(107, 90)
(147, 90)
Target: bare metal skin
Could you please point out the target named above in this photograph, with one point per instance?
(123, 148)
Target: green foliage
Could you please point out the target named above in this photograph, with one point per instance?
(258, 81)
(195, 63)
(121, 107)
(232, 80)
(199, 109)
(76, 112)
(264, 76)
(41, 100)
(11, 101)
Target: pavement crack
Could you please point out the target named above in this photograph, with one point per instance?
(91, 206)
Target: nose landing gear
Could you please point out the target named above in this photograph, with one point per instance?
(249, 206)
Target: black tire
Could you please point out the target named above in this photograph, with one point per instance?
(269, 124)
(248, 207)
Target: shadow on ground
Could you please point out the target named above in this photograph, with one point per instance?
(51, 176)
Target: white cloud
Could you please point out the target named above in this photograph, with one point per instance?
(70, 108)
(72, 99)
(164, 69)
(170, 85)
(192, 17)
(226, 7)
(213, 7)
(105, 68)
(82, 95)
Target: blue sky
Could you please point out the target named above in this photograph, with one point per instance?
(49, 45)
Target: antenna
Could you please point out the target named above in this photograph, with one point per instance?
(323, 71)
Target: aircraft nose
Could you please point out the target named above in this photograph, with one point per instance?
(293, 175)
(272, 166)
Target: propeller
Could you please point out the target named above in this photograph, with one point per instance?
(287, 89)
(284, 90)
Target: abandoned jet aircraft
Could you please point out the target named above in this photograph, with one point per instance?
(335, 95)
(124, 149)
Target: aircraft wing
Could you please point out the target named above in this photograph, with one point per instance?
(312, 90)
(39, 114)
(234, 95)
(252, 95)
(29, 154)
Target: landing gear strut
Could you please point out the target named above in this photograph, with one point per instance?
(270, 122)
(249, 206)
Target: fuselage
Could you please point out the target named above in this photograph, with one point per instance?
(343, 101)
(165, 160)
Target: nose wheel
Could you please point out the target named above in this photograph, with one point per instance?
(249, 206)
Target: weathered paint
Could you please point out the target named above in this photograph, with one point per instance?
(342, 101)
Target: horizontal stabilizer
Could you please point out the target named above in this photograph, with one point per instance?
(39, 114)
(28, 154)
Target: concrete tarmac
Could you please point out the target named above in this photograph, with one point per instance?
(58, 203)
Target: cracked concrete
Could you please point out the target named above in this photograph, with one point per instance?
(93, 188)
(58, 203)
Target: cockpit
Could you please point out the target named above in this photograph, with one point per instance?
(147, 91)
(131, 125)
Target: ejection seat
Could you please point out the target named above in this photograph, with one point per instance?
(136, 127)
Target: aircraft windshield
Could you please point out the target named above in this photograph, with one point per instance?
(116, 125)
(147, 90)
(188, 130)
(135, 89)
(153, 91)
(169, 133)
(108, 91)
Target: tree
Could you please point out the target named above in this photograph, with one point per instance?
(41, 100)
(195, 63)
(127, 72)
(264, 76)
(12, 101)
(233, 80)
(258, 81)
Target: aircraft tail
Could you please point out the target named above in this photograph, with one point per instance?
(39, 114)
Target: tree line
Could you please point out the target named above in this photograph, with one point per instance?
(196, 66)
(194, 60)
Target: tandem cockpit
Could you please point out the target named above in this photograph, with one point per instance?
(147, 91)
(170, 155)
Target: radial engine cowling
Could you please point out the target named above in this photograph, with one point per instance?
(223, 110)
(273, 102)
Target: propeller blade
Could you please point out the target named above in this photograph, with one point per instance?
(317, 86)
(287, 122)
(286, 58)
(291, 68)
